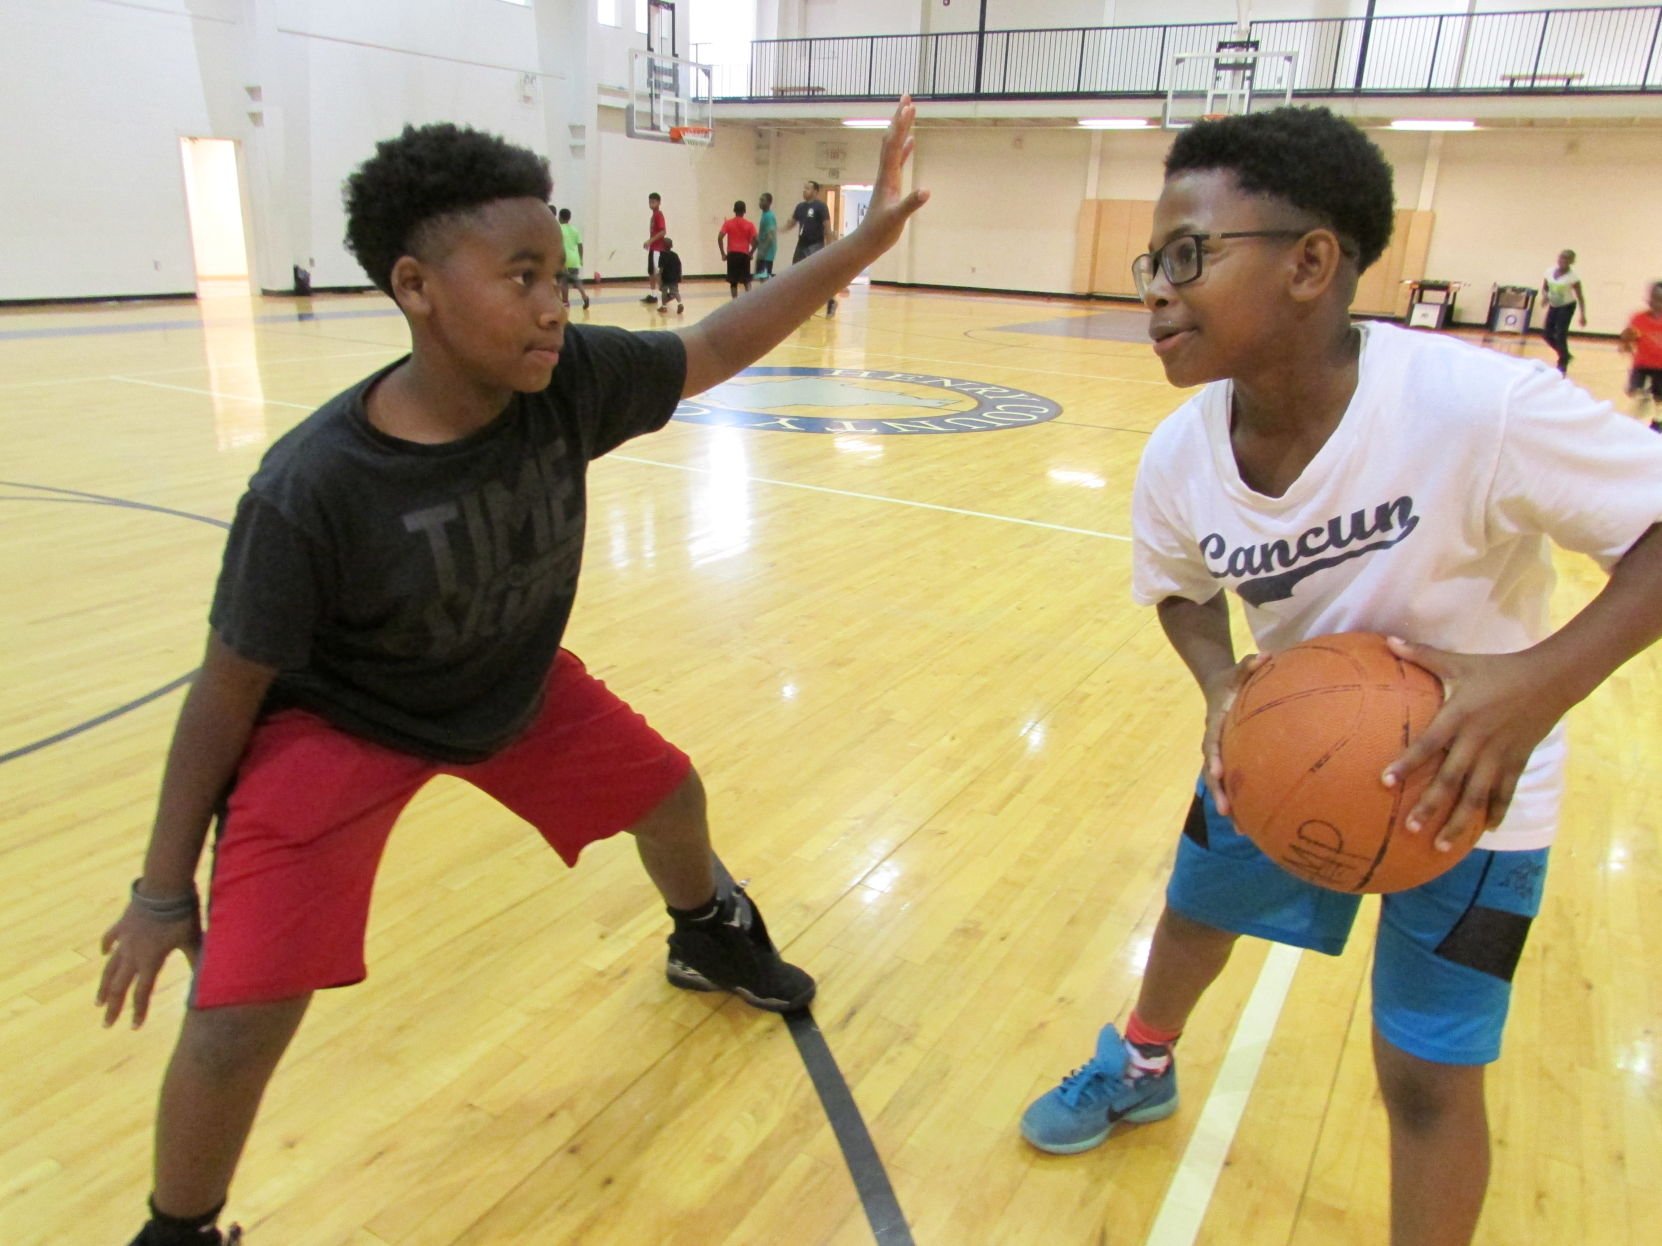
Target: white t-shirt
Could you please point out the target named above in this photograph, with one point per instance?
(1427, 515)
(1561, 286)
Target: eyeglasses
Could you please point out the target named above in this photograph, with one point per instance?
(1179, 259)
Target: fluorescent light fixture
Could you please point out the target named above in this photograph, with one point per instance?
(1427, 124)
(1113, 123)
(866, 123)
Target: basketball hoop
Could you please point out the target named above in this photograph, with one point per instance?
(691, 135)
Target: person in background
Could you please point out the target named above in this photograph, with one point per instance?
(734, 240)
(813, 217)
(669, 278)
(572, 274)
(1561, 287)
(655, 245)
(767, 237)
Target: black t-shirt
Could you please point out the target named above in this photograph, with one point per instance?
(811, 216)
(416, 594)
(669, 268)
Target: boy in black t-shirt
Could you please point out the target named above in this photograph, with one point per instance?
(669, 278)
(390, 607)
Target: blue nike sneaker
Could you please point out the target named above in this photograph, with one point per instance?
(1081, 1112)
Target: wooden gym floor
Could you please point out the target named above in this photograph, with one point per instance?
(946, 747)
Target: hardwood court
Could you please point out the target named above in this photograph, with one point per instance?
(946, 747)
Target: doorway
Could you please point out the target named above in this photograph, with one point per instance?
(848, 203)
(213, 198)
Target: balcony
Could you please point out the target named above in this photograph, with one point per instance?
(1576, 52)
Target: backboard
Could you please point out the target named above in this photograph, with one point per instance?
(1205, 85)
(669, 99)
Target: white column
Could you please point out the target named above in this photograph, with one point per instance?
(570, 105)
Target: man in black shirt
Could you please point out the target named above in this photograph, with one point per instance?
(813, 215)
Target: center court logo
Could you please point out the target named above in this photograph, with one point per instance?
(865, 401)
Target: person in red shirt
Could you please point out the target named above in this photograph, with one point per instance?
(735, 241)
(1643, 340)
(655, 245)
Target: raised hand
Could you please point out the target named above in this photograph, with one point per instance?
(890, 210)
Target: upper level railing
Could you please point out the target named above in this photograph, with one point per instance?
(1556, 51)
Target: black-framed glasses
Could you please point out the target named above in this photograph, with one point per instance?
(1180, 258)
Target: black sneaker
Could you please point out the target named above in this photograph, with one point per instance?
(649, 298)
(732, 952)
(209, 1236)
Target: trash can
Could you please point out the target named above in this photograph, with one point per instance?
(1510, 307)
(1430, 304)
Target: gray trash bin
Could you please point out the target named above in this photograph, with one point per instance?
(1509, 309)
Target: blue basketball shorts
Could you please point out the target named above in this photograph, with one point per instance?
(1443, 964)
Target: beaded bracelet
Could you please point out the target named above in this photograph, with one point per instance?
(172, 910)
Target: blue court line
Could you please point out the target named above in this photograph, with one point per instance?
(98, 721)
(162, 326)
(871, 1180)
(56, 493)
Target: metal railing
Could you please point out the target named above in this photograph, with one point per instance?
(1552, 51)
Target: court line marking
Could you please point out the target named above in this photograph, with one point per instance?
(1192, 1185)
(877, 497)
(195, 367)
(99, 720)
(214, 393)
(865, 1165)
(1008, 367)
(57, 493)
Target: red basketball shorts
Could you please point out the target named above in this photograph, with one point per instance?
(312, 807)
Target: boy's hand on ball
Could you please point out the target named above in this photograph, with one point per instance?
(1494, 714)
(1221, 690)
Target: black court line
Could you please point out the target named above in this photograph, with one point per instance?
(871, 1180)
(56, 493)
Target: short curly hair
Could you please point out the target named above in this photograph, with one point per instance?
(1307, 157)
(426, 173)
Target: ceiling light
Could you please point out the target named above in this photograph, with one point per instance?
(1113, 123)
(866, 123)
(1411, 124)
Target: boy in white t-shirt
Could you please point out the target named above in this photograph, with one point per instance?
(1364, 478)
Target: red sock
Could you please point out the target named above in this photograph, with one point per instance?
(1143, 1034)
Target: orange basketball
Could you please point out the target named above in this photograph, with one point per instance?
(1303, 747)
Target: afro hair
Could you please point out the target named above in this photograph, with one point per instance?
(425, 173)
(1307, 157)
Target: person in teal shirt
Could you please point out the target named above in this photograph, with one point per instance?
(767, 238)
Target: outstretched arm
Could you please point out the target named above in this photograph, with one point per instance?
(743, 331)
